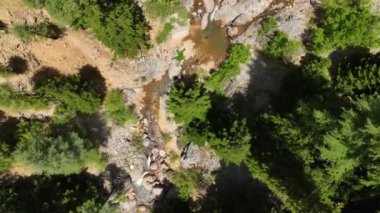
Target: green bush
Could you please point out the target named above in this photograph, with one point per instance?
(44, 29)
(359, 80)
(72, 94)
(116, 108)
(119, 25)
(24, 33)
(186, 182)
(268, 26)
(15, 101)
(280, 46)
(238, 54)
(55, 155)
(346, 27)
(163, 35)
(188, 103)
(35, 3)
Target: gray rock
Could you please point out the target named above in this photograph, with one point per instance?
(232, 31)
(231, 10)
(199, 157)
(209, 5)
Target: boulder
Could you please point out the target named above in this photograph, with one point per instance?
(199, 157)
(209, 5)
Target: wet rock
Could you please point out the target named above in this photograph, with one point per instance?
(204, 21)
(199, 157)
(209, 5)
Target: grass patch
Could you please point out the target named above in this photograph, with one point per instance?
(164, 8)
(44, 29)
(163, 35)
(4, 71)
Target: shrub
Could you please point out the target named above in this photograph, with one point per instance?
(188, 103)
(163, 35)
(116, 109)
(24, 33)
(19, 102)
(55, 155)
(35, 3)
(44, 29)
(344, 27)
(238, 54)
(120, 25)
(280, 46)
(186, 182)
(268, 26)
(359, 80)
(72, 94)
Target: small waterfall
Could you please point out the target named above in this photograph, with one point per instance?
(211, 17)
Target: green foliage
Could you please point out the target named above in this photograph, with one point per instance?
(57, 193)
(363, 79)
(186, 182)
(15, 101)
(44, 29)
(188, 103)
(120, 25)
(35, 3)
(54, 155)
(5, 160)
(280, 46)
(316, 71)
(345, 27)
(163, 35)
(238, 54)
(24, 33)
(268, 26)
(180, 57)
(4, 71)
(72, 94)
(116, 109)
(164, 8)
(124, 30)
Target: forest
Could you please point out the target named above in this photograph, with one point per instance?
(314, 148)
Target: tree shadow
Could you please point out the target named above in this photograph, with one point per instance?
(57, 193)
(93, 75)
(44, 74)
(8, 129)
(18, 65)
(3, 25)
(119, 179)
(91, 127)
(276, 87)
(352, 56)
(235, 190)
(54, 31)
(170, 201)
